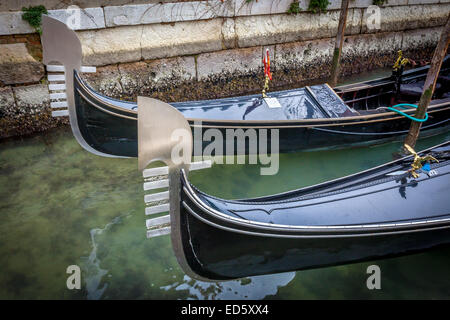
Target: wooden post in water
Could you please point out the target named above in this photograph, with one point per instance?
(339, 42)
(430, 83)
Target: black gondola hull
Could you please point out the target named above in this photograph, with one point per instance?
(364, 216)
(112, 132)
(219, 255)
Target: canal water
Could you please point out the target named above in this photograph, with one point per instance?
(62, 206)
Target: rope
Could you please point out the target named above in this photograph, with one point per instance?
(403, 106)
(377, 133)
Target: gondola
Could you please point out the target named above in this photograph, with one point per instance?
(364, 216)
(395, 208)
(312, 117)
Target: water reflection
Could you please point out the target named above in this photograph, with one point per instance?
(93, 273)
(253, 288)
(60, 205)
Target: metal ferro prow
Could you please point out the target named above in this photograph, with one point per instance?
(62, 54)
(164, 135)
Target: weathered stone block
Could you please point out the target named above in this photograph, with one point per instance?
(360, 3)
(17, 66)
(228, 62)
(7, 104)
(181, 38)
(80, 19)
(335, 5)
(133, 43)
(143, 76)
(167, 12)
(90, 18)
(111, 45)
(279, 28)
(326, 24)
(408, 17)
(434, 15)
(368, 3)
(244, 8)
(58, 4)
(422, 1)
(371, 44)
(369, 51)
(391, 3)
(302, 62)
(31, 99)
(12, 23)
(228, 34)
(353, 25)
(106, 80)
(297, 55)
(421, 38)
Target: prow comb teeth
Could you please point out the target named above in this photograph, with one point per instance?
(157, 202)
(158, 122)
(56, 73)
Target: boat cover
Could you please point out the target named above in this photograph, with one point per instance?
(319, 101)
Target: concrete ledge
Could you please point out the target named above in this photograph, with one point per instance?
(281, 28)
(136, 12)
(90, 18)
(421, 38)
(7, 103)
(181, 38)
(167, 12)
(12, 23)
(422, 1)
(31, 99)
(17, 66)
(151, 75)
(106, 46)
(112, 45)
(229, 63)
(409, 17)
(292, 62)
(25, 110)
(17, 5)
(153, 41)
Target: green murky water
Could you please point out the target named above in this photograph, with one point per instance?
(60, 205)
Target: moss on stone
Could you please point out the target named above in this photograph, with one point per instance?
(33, 15)
(318, 6)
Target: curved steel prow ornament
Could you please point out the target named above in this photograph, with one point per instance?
(62, 55)
(164, 135)
(158, 125)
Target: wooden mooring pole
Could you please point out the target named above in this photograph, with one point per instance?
(430, 83)
(339, 41)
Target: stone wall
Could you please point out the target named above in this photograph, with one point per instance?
(191, 50)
